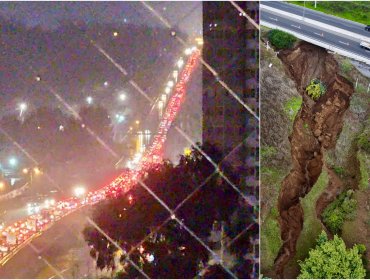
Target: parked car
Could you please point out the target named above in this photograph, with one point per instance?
(367, 27)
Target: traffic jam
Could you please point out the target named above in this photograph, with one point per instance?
(42, 216)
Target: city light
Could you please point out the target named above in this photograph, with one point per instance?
(175, 74)
(180, 63)
(89, 100)
(2, 185)
(106, 84)
(22, 106)
(13, 162)
(120, 118)
(167, 90)
(115, 33)
(122, 97)
(170, 84)
(188, 51)
(25, 171)
(137, 122)
(79, 191)
(37, 171)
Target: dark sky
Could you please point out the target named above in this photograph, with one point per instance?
(188, 15)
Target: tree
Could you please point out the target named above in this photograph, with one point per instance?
(280, 39)
(331, 259)
(171, 252)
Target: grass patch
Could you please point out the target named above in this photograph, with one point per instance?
(351, 10)
(312, 225)
(364, 170)
(270, 231)
(292, 106)
(270, 240)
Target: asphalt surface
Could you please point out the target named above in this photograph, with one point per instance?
(59, 252)
(326, 36)
(319, 16)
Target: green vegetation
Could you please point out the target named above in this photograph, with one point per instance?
(364, 173)
(363, 141)
(351, 10)
(311, 225)
(267, 152)
(280, 39)
(339, 170)
(331, 259)
(346, 66)
(292, 106)
(270, 234)
(316, 89)
(341, 209)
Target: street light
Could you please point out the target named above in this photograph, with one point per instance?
(89, 100)
(22, 107)
(2, 185)
(122, 97)
(37, 171)
(25, 171)
(13, 162)
(79, 191)
(137, 122)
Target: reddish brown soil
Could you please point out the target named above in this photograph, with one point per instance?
(315, 129)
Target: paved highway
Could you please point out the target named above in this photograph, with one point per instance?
(352, 26)
(59, 252)
(318, 33)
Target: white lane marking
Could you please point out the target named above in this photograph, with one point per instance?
(275, 19)
(344, 43)
(319, 34)
(296, 26)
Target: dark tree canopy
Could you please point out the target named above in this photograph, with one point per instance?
(171, 252)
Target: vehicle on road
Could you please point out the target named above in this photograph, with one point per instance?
(365, 45)
(367, 28)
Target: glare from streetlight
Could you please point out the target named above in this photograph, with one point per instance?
(89, 100)
(2, 185)
(37, 171)
(180, 63)
(137, 122)
(25, 171)
(170, 84)
(188, 51)
(122, 97)
(79, 191)
(13, 161)
(167, 90)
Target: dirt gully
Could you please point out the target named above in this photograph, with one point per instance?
(315, 130)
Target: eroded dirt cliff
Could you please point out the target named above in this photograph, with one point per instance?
(315, 130)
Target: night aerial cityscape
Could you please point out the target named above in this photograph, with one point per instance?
(122, 129)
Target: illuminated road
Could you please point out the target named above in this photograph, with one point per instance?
(60, 246)
(16, 236)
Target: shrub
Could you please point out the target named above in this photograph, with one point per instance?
(316, 89)
(341, 209)
(280, 39)
(331, 259)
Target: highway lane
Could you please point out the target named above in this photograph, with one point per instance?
(62, 249)
(326, 36)
(352, 26)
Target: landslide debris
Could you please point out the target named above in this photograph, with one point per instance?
(315, 130)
